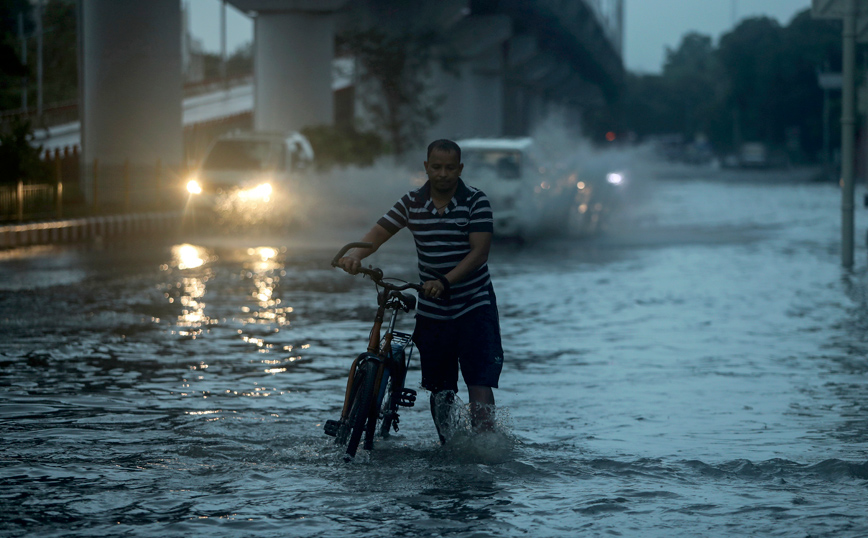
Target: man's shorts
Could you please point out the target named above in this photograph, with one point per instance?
(471, 341)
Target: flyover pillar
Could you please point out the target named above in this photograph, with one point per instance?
(294, 45)
(474, 98)
(292, 70)
(131, 98)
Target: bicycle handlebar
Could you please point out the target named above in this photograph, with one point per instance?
(347, 247)
(375, 273)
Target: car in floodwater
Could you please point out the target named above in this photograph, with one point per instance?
(250, 179)
(532, 198)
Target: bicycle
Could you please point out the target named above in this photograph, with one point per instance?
(375, 385)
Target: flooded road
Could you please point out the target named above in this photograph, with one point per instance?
(697, 370)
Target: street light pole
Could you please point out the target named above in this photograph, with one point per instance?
(223, 44)
(39, 38)
(848, 130)
(23, 61)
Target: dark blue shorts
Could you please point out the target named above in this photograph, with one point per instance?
(471, 341)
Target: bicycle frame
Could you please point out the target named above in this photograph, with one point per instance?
(378, 351)
(385, 359)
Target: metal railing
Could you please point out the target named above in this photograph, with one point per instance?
(20, 202)
(72, 188)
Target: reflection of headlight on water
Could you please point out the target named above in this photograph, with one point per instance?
(193, 187)
(259, 192)
(188, 256)
(265, 253)
(615, 178)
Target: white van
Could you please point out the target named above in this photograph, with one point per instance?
(528, 198)
(247, 178)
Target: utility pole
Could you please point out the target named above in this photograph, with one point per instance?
(23, 61)
(849, 11)
(223, 44)
(848, 133)
(39, 60)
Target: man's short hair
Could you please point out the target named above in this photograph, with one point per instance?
(444, 145)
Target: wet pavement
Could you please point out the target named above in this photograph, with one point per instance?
(698, 369)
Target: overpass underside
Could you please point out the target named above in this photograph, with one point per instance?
(503, 65)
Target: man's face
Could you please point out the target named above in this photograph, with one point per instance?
(443, 169)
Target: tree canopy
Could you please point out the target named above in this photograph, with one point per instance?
(758, 83)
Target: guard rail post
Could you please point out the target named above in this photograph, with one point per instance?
(126, 185)
(19, 195)
(95, 185)
(158, 170)
(58, 175)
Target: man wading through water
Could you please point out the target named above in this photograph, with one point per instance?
(456, 318)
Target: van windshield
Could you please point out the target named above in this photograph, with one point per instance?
(505, 164)
(238, 155)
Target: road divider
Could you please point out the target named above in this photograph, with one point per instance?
(88, 228)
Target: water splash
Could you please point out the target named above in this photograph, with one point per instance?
(467, 444)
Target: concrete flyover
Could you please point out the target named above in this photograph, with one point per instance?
(513, 62)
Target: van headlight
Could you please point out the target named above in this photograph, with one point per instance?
(194, 187)
(260, 192)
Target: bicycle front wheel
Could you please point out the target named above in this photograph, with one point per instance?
(360, 410)
(395, 385)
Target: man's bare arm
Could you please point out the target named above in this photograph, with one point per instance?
(352, 261)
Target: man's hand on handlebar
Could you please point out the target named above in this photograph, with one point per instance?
(350, 264)
(434, 289)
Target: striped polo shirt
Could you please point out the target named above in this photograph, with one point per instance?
(442, 241)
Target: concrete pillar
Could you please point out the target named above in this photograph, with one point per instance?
(456, 113)
(487, 85)
(292, 70)
(514, 110)
(132, 93)
(474, 103)
(521, 49)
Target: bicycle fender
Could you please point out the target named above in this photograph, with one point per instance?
(361, 359)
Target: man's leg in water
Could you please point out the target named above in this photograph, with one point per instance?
(441, 411)
(481, 407)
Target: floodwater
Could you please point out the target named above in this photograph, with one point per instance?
(699, 369)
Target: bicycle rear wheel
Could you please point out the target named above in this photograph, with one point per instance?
(360, 409)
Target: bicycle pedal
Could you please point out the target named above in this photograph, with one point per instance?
(407, 398)
(331, 427)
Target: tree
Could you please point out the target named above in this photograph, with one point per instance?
(397, 69)
(695, 85)
(12, 70)
(685, 99)
(19, 159)
(758, 84)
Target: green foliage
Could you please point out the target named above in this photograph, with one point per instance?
(336, 146)
(19, 160)
(59, 67)
(758, 84)
(397, 69)
(238, 64)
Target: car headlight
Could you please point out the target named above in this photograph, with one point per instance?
(193, 187)
(259, 192)
(615, 178)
